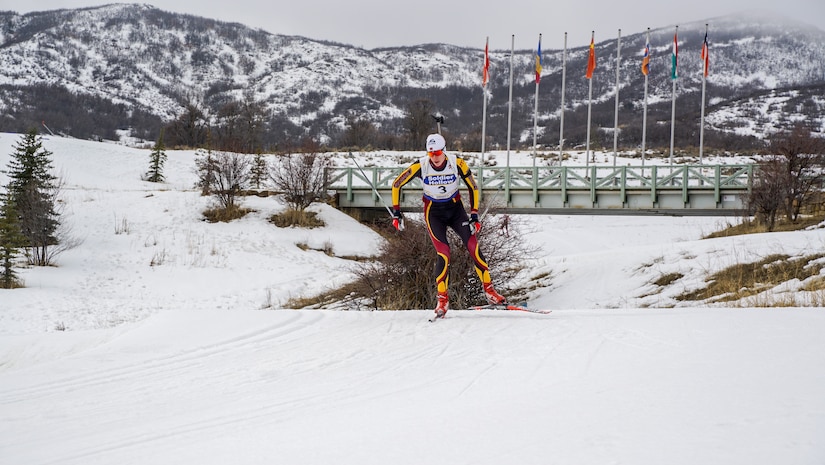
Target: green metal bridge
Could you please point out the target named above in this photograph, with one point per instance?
(677, 190)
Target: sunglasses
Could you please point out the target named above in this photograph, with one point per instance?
(435, 153)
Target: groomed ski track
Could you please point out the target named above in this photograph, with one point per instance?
(682, 386)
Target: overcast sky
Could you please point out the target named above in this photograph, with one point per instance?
(389, 23)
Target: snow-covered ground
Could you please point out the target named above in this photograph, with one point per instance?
(163, 339)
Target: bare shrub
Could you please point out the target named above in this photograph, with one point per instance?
(402, 276)
(805, 155)
(788, 178)
(301, 177)
(223, 175)
(767, 197)
(418, 122)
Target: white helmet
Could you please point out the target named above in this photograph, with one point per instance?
(435, 142)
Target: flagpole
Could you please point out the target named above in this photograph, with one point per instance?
(484, 78)
(563, 76)
(536, 107)
(673, 76)
(616, 115)
(483, 123)
(510, 104)
(644, 112)
(704, 78)
(509, 123)
(589, 104)
(589, 107)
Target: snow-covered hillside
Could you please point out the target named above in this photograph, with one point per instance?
(163, 339)
(144, 247)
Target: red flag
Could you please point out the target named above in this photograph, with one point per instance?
(485, 73)
(705, 56)
(591, 60)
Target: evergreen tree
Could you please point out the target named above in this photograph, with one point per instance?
(11, 241)
(32, 190)
(259, 171)
(156, 161)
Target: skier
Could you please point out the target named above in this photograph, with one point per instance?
(440, 173)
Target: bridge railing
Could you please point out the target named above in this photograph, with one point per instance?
(567, 177)
(678, 187)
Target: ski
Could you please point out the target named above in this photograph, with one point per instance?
(511, 307)
(507, 307)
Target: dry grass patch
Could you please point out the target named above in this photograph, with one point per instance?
(541, 280)
(750, 226)
(815, 285)
(668, 279)
(327, 249)
(225, 215)
(297, 218)
(323, 300)
(747, 279)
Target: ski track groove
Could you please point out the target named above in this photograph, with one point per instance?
(363, 372)
(559, 339)
(295, 406)
(156, 365)
(476, 378)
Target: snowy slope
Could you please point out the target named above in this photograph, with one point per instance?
(163, 339)
(240, 386)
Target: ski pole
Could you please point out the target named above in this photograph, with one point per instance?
(389, 210)
(487, 208)
(490, 203)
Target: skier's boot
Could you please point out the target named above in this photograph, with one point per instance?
(443, 304)
(493, 297)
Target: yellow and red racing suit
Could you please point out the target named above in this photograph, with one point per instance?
(443, 208)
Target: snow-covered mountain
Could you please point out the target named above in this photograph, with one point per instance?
(140, 66)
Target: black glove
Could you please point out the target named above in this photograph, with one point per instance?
(397, 220)
(475, 225)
